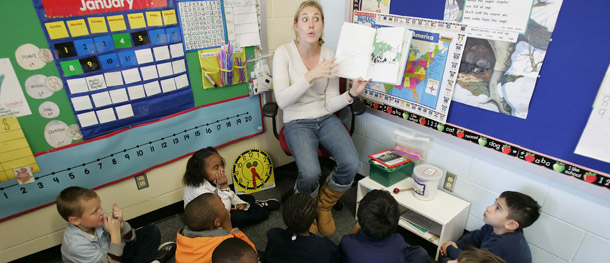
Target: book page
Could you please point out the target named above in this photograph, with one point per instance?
(353, 50)
(388, 56)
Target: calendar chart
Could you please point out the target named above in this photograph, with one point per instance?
(130, 152)
(122, 62)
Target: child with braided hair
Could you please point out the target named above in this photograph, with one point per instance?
(296, 243)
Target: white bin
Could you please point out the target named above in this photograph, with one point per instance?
(426, 179)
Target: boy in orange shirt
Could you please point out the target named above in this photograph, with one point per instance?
(208, 223)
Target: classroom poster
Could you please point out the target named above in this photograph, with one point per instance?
(241, 17)
(378, 6)
(502, 57)
(594, 141)
(121, 155)
(202, 23)
(12, 100)
(432, 64)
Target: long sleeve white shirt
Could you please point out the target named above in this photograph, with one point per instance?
(228, 197)
(298, 98)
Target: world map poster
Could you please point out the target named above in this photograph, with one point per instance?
(432, 65)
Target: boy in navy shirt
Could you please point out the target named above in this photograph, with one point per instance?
(502, 233)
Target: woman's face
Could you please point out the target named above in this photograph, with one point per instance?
(309, 25)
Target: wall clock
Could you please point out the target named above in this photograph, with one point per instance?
(253, 171)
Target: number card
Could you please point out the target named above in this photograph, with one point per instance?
(106, 47)
(202, 23)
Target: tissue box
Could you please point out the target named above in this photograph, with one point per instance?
(387, 176)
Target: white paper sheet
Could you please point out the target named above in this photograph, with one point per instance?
(161, 53)
(168, 85)
(152, 88)
(144, 56)
(118, 96)
(96, 82)
(101, 99)
(124, 111)
(87, 119)
(136, 92)
(178, 66)
(165, 69)
(81, 103)
(131, 75)
(149, 72)
(113, 79)
(78, 85)
(181, 81)
(177, 50)
(106, 115)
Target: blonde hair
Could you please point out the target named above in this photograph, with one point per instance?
(305, 4)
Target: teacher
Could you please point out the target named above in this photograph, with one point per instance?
(307, 91)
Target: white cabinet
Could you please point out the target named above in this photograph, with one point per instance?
(445, 214)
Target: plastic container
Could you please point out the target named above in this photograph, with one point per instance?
(426, 179)
(387, 176)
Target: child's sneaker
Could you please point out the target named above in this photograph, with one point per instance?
(166, 251)
(269, 204)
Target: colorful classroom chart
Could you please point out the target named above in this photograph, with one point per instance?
(110, 55)
(202, 23)
(133, 151)
(15, 151)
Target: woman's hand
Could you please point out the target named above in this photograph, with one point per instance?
(324, 69)
(358, 87)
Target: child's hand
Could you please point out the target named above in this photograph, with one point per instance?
(446, 245)
(239, 207)
(113, 226)
(117, 213)
(221, 180)
(356, 228)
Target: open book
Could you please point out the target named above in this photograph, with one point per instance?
(377, 53)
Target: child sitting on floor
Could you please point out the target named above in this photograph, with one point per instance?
(374, 238)
(502, 233)
(296, 243)
(208, 223)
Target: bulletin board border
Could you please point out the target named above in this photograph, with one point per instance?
(559, 166)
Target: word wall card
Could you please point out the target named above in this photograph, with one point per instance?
(122, 61)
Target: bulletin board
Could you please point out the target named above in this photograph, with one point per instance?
(216, 116)
(562, 101)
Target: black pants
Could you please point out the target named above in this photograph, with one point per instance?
(254, 215)
(145, 248)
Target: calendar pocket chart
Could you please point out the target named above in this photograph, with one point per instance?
(122, 62)
(120, 155)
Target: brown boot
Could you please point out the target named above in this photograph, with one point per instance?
(326, 200)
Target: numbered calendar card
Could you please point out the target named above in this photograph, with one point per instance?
(122, 61)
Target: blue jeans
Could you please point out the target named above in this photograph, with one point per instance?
(303, 138)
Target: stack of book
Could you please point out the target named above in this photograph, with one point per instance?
(388, 159)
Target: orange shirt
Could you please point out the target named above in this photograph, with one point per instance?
(200, 249)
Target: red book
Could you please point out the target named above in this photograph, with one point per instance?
(389, 158)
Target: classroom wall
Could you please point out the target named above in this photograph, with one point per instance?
(573, 225)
